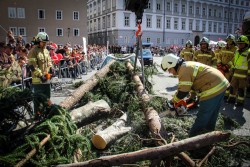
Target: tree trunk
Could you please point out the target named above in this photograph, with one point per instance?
(102, 138)
(89, 112)
(152, 117)
(160, 152)
(71, 100)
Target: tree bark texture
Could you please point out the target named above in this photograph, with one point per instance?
(75, 97)
(160, 152)
(89, 112)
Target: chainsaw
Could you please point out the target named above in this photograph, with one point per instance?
(179, 109)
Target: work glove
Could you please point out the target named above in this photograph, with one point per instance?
(43, 79)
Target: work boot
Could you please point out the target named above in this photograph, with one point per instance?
(231, 100)
(239, 104)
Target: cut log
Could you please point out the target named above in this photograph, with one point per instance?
(102, 138)
(152, 117)
(160, 152)
(89, 112)
(76, 96)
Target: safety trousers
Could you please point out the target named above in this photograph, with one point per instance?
(207, 115)
(237, 89)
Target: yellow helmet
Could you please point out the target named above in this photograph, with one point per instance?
(243, 39)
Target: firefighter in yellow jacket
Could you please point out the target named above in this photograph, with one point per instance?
(241, 72)
(39, 60)
(209, 83)
(187, 53)
(204, 54)
(225, 59)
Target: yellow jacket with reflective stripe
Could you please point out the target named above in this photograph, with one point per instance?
(40, 59)
(205, 57)
(241, 64)
(207, 81)
(226, 55)
(187, 54)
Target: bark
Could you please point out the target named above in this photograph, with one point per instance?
(160, 152)
(152, 117)
(102, 138)
(89, 112)
(76, 96)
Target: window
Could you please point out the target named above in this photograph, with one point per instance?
(149, 5)
(113, 20)
(76, 32)
(197, 10)
(59, 32)
(12, 12)
(230, 15)
(220, 28)
(176, 24)
(183, 24)
(148, 24)
(225, 14)
(183, 9)
(41, 14)
(103, 22)
(95, 25)
(21, 13)
(148, 40)
(168, 6)
(58, 15)
(158, 40)
(215, 13)
(158, 22)
(41, 29)
(215, 27)
(209, 12)
(126, 20)
(103, 5)
(191, 10)
(113, 3)
(98, 23)
(197, 25)
(176, 8)
(126, 39)
(219, 15)
(14, 30)
(108, 21)
(190, 25)
(22, 31)
(168, 23)
(204, 11)
(209, 26)
(225, 28)
(158, 6)
(75, 15)
(204, 26)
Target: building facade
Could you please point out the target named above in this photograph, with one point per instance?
(165, 22)
(64, 21)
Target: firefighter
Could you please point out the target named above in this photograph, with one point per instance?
(187, 53)
(204, 54)
(39, 59)
(209, 83)
(224, 60)
(217, 51)
(241, 72)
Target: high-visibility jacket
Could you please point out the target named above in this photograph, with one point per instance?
(187, 54)
(205, 57)
(206, 81)
(226, 55)
(40, 59)
(241, 64)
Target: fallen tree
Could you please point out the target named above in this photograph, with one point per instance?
(160, 152)
(75, 97)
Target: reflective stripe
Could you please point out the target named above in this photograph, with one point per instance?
(241, 67)
(232, 96)
(239, 75)
(214, 89)
(36, 80)
(204, 55)
(241, 98)
(196, 68)
(32, 60)
(185, 83)
(176, 99)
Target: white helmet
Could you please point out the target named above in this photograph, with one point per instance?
(168, 61)
(42, 37)
(221, 44)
